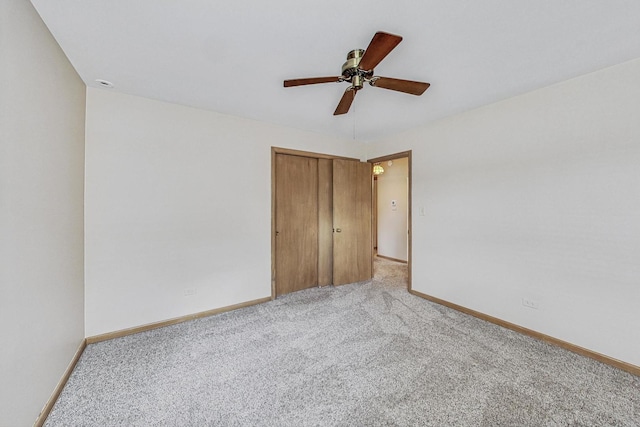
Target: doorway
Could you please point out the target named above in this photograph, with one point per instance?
(392, 209)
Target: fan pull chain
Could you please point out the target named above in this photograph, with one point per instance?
(354, 122)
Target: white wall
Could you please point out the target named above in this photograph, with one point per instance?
(42, 109)
(536, 197)
(178, 199)
(392, 222)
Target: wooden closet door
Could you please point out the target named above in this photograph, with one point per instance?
(352, 244)
(296, 223)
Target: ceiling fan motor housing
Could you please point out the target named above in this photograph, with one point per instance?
(352, 73)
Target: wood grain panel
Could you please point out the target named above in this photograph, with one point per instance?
(325, 222)
(352, 244)
(296, 223)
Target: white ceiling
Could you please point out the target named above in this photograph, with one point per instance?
(232, 56)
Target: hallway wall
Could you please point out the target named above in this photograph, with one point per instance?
(392, 219)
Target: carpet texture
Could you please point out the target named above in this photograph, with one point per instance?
(366, 354)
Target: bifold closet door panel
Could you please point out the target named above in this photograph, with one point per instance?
(296, 223)
(352, 242)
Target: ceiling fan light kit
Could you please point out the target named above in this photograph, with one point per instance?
(358, 70)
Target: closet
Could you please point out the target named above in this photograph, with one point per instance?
(321, 221)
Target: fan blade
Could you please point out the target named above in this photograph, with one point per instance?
(406, 86)
(345, 101)
(381, 44)
(310, 81)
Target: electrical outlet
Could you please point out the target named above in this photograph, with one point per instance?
(190, 292)
(530, 303)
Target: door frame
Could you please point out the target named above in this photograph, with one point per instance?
(400, 155)
(274, 152)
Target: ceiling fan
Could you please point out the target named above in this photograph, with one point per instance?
(359, 70)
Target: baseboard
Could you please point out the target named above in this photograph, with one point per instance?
(392, 259)
(63, 381)
(628, 367)
(150, 326)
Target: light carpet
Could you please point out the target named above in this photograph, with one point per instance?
(366, 354)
